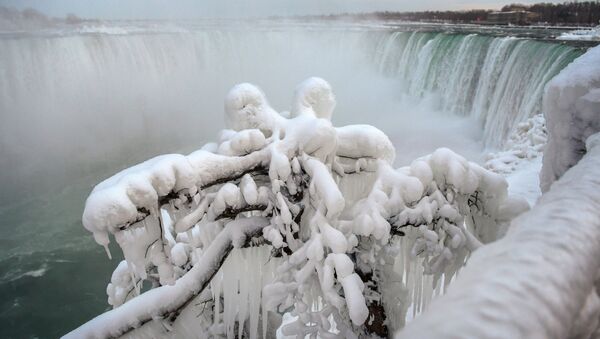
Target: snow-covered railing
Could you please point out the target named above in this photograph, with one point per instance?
(572, 109)
(358, 241)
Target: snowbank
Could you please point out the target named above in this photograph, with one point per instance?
(520, 161)
(572, 111)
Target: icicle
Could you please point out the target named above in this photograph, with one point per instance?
(107, 251)
(230, 291)
(240, 282)
(428, 292)
(245, 287)
(418, 289)
(255, 284)
(265, 315)
(216, 286)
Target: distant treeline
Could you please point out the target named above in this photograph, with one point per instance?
(585, 13)
(581, 13)
(453, 16)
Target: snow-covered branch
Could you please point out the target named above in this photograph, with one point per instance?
(164, 302)
(326, 200)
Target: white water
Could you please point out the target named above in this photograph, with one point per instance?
(498, 81)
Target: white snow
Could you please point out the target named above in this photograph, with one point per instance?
(446, 207)
(121, 285)
(229, 196)
(360, 141)
(353, 288)
(521, 160)
(525, 143)
(246, 107)
(314, 97)
(179, 255)
(249, 190)
(324, 186)
(243, 142)
(333, 238)
(592, 34)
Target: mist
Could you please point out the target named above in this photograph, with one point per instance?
(98, 103)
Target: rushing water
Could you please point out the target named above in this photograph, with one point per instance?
(78, 105)
(499, 81)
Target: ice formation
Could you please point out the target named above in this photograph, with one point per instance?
(571, 109)
(288, 215)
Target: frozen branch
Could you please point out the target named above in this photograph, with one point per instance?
(166, 301)
(330, 203)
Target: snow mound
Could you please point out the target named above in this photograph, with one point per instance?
(525, 144)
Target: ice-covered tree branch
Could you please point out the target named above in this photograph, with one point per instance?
(163, 302)
(327, 201)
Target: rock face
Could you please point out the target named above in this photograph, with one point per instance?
(572, 111)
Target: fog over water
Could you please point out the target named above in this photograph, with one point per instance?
(81, 102)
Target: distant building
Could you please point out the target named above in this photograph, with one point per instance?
(511, 18)
(515, 8)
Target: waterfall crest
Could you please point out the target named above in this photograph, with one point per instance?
(499, 80)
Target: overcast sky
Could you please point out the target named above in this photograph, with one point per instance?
(140, 9)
